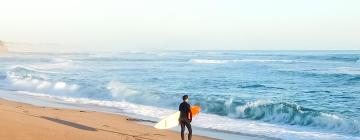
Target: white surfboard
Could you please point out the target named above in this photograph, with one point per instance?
(169, 122)
(173, 120)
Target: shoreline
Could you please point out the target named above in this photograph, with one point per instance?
(148, 121)
(136, 118)
(27, 122)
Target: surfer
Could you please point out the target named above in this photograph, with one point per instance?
(185, 117)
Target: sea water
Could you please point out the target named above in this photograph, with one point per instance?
(271, 94)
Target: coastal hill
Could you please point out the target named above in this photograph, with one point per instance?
(3, 48)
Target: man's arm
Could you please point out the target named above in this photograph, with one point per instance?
(190, 113)
(180, 111)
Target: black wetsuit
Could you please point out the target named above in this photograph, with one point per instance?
(184, 120)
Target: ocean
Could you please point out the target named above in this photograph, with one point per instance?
(272, 94)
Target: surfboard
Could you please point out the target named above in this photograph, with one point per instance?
(173, 120)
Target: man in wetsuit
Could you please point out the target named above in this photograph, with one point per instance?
(185, 117)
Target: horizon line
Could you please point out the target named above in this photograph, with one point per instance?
(187, 50)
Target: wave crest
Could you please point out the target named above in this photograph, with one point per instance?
(34, 83)
(293, 114)
(278, 113)
(56, 63)
(120, 90)
(343, 58)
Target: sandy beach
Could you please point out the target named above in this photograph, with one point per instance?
(21, 121)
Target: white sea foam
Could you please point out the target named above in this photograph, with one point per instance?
(118, 89)
(29, 83)
(347, 70)
(122, 91)
(29, 68)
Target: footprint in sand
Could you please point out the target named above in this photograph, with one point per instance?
(159, 135)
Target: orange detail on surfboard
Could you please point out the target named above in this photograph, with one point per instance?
(195, 110)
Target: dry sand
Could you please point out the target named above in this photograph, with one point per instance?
(19, 121)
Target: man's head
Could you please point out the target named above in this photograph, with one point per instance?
(185, 98)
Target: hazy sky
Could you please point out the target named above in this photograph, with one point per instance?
(111, 25)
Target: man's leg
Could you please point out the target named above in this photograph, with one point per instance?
(188, 126)
(182, 124)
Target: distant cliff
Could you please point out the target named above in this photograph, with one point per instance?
(3, 48)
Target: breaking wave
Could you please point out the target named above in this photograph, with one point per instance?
(286, 113)
(27, 79)
(123, 92)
